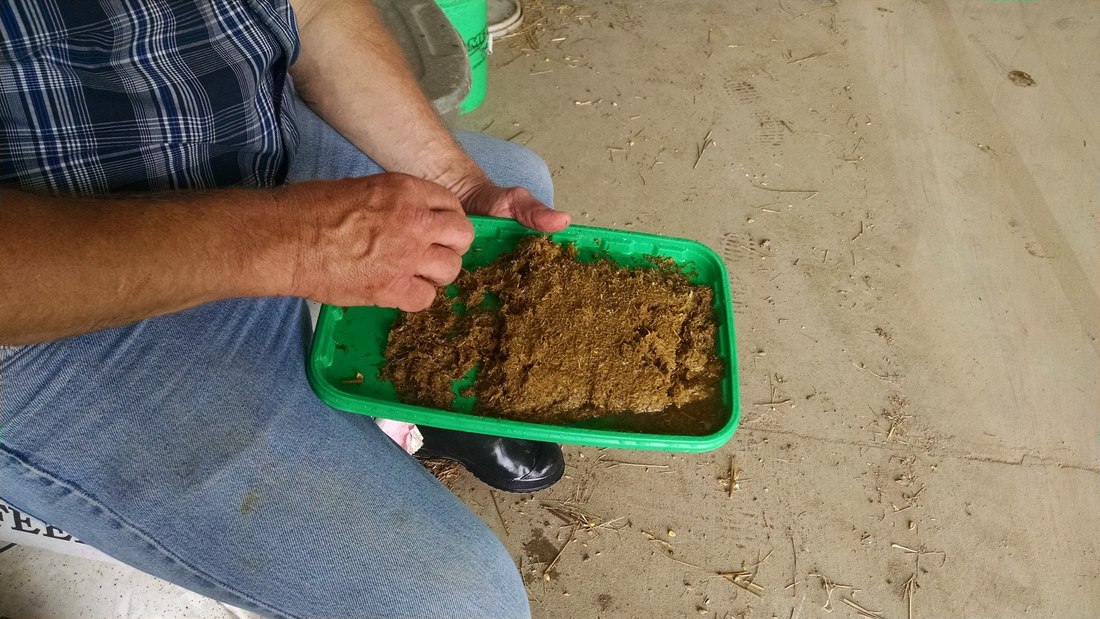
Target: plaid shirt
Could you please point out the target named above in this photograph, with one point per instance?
(145, 95)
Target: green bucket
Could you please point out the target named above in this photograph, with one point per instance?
(469, 18)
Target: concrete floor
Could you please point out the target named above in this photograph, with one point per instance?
(912, 241)
(923, 291)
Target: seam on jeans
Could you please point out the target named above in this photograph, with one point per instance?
(3, 354)
(3, 349)
(137, 532)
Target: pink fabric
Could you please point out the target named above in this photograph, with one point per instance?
(406, 435)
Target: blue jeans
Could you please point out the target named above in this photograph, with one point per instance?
(191, 447)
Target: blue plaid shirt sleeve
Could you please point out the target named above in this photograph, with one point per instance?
(145, 95)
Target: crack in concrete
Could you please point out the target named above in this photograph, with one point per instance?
(1025, 459)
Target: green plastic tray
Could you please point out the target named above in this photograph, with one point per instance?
(351, 340)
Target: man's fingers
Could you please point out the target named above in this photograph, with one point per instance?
(440, 265)
(536, 215)
(547, 219)
(418, 295)
(432, 195)
(439, 198)
(453, 230)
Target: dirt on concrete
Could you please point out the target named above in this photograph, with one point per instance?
(911, 241)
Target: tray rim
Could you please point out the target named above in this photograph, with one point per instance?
(529, 430)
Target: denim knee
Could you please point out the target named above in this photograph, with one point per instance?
(532, 173)
(492, 582)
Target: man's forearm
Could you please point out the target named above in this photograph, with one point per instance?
(70, 266)
(352, 73)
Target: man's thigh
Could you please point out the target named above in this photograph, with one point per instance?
(191, 447)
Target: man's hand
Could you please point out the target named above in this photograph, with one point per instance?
(485, 198)
(385, 240)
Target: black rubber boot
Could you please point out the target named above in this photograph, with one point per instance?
(509, 464)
